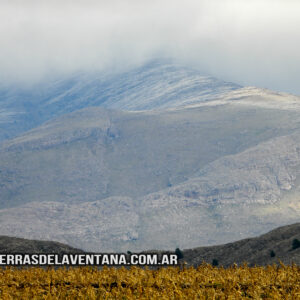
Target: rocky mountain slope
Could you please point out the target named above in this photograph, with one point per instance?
(107, 180)
(94, 154)
(171, 159)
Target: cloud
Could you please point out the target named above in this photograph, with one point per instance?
(246, 41)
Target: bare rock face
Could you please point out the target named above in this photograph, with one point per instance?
(233, 197)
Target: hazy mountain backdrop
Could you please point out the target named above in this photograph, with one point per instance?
(155, 158)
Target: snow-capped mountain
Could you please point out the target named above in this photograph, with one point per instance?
(155, 85)
(168, 158)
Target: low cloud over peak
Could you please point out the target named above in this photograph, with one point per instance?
(249, 42)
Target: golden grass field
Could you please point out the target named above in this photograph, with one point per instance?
(204, 282)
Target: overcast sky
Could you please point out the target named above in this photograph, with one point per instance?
(252, 42)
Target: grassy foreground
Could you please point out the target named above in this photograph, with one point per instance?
(205, 282)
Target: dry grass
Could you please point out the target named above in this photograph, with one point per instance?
(205, 282)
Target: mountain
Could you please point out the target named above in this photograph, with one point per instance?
(154, 85)
(201, 174)
(267, 249)
(22, 246)
(94, 153)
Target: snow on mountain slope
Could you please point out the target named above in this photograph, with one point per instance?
(257, 97)
(155, 85)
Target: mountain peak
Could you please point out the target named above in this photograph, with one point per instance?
(155, 85)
